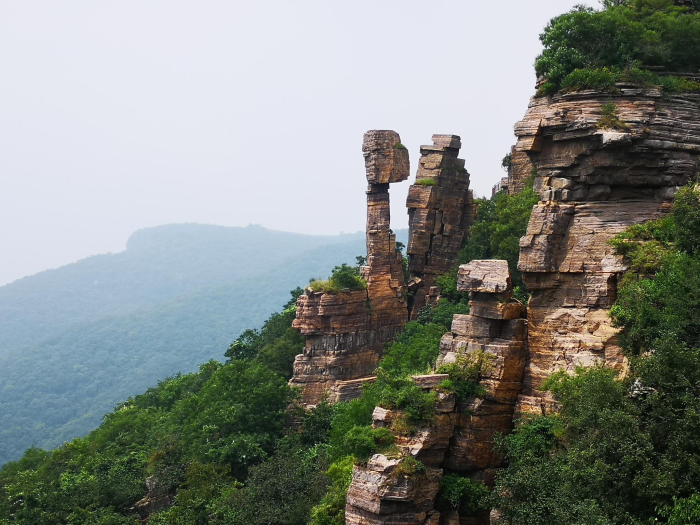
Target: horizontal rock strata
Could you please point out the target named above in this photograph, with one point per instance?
(346, 332)
(496, 330)
(440, 213)
(593, 183)
(459, 438)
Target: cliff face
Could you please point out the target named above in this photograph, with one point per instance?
(600, 164)
(594, 183)
(346, 332)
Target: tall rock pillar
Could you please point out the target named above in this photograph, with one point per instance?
(459, 437)
(346, 332)
(386, 162)
(440, 213)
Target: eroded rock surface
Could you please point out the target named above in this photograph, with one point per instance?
(459, 437)
(440, 213)
(593, 184)
(346, 332)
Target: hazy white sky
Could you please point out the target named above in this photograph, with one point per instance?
(120, 115)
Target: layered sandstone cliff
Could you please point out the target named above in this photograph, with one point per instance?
(600, 163)
(596, 176)
(346, 332)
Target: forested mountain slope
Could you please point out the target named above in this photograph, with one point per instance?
(159, 264)
(220, 442)
(110, 326)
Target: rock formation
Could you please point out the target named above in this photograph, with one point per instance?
(596, 176)
(346, 332)
(459, 438)
(600, 162)
(386, 162)
(440, 213)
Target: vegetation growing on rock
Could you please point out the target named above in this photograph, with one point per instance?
(500, 222)
(624, 450)
(343, 278)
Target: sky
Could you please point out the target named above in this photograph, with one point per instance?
(116, 116)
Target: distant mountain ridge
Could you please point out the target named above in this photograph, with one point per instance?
(161, 263)
(76, 340)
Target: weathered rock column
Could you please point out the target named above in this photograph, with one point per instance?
(594, 182)
(440, 213)
(386, 162)
(460, 435)
(346, 332)
(495, 329)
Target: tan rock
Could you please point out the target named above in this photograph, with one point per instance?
(386, 160)
(594, 183)
(439, 216)
(476, 328)
(487, 276)
(497, 309)
(380, 494)
(346, 332)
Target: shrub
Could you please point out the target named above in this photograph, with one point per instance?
(506, 162)
(610, 118)
(398, 145)
(443, 313)
(659, 300)
(357, 412)
(405, 395)
(343, 277)
(409, 467)
(426, 182)
(684, 511)
(288, 484)
(414, 351)
(362, 442)
(464, 376)
(331, 509)
(599, 79)
(462, 494)
(605, 79)
(317, 424)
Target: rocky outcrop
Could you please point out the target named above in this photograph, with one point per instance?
(386, 162)
(440, 213)
(496, 331)
(601, 162)
(347, 331)
(156, 500)
(459, 438)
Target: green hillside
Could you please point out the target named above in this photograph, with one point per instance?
(111, 326)
(222, 440)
